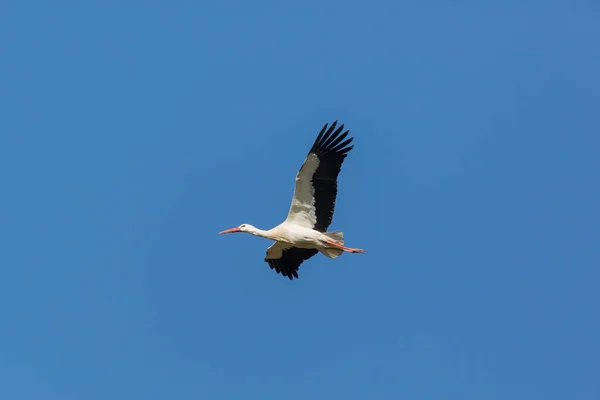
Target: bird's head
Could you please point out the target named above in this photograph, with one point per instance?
(241, 228)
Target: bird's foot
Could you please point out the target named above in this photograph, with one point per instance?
(351, 250)
(347, 249)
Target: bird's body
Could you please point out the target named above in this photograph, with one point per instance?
(299, 236)
(304, 232)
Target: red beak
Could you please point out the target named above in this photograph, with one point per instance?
(230, 231)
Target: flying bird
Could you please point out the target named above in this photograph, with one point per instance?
(304, 232)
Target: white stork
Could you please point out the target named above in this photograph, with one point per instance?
(304, 232)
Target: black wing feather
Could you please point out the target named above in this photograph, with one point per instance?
(331, 154)
(290, 260)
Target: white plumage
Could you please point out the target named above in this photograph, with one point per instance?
(302, 210)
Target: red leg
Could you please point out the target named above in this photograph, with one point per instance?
(348, 249)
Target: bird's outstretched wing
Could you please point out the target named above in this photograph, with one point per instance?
(286, 259)
(315, 193)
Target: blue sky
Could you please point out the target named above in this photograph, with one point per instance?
(130, 136)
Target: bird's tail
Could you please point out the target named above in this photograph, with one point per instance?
(337, 237)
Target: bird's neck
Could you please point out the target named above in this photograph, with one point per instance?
(259, 232)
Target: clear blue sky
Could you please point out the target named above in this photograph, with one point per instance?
(130, 136)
